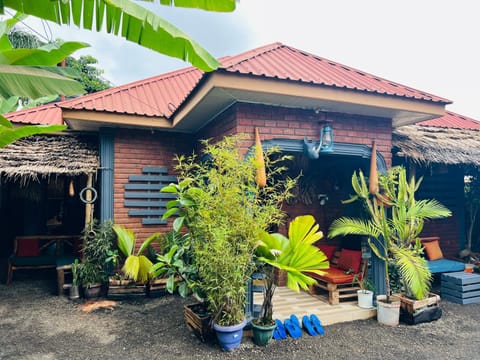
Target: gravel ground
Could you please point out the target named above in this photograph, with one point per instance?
(35, 324)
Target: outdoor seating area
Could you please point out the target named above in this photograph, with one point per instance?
(347, 268)
(437, 264)
(43, 252)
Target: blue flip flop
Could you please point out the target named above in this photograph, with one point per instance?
(317, 324)
(293, 330)
(294, 320)
(279, 333)
(308, 326)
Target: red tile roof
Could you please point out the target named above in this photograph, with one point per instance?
(452, 120)
(159, 96)
(48, 114)
(156, 96)
(287, 63)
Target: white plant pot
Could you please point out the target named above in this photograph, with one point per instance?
(388, 313)
(365, 299)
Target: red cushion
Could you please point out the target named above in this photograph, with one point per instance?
(336, 276)
(328, 250)
(350, 259)
(27, 247)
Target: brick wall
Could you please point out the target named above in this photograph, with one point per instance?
(133, 150)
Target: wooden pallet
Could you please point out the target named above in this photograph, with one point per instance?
(461, 287)
(200, 324)
(413, 306)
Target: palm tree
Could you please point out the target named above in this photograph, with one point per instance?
(393, 233)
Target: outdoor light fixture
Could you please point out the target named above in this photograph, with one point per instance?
(325, 144)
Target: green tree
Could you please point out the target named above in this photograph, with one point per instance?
(89, 75)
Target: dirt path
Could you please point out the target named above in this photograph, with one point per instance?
(35, 324)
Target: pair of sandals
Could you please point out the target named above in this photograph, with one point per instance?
(313, 325)
(291, 326)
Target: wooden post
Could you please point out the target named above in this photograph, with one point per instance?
(88, 197)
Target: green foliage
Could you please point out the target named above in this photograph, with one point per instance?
(136, 266)
(225, 213)
(175, 264)
(472, 204)
(89, 75)
(296, 255)
(394, 234)
(132, 21)
(75, 273)
(98, 241)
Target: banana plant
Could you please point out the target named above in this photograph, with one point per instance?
(137, 266)
(129, 20)
(296, 255)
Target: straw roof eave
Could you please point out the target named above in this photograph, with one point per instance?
(49, 155)
(428, 144)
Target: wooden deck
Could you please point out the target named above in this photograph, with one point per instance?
(287, 302)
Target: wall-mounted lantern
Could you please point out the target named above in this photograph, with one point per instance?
(325, 143)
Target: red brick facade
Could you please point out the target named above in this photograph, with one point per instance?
(135, 149)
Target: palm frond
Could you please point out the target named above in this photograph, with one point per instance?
(352, 226)
(413, 271)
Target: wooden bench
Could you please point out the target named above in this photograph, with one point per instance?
(340, 281)
(436, 263)
(42, 252)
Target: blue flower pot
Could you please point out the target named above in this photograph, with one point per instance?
(229, 337)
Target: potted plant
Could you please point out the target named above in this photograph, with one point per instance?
(74, 292)
(394, 233)
(97, 244)
(365, 294)
(225, 210)
(297, 256)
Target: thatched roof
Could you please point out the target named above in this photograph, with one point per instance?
(428, 144)
(46, 155)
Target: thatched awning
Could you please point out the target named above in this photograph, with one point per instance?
(46, 155)
(428, 144)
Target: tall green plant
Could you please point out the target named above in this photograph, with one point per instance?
(98, 241)
(225, 213)
(295, 254)
(394, 232)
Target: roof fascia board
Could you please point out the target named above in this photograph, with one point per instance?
(311, 91)
(116, 119)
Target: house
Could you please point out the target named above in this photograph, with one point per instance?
(288, 94)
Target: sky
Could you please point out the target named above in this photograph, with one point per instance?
(430, 45)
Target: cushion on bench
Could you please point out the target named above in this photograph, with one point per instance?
(445, 265)
(327, 249)
(336, 276)
(66, 260)
(40, 260)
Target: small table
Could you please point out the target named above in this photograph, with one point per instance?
(461, 287)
